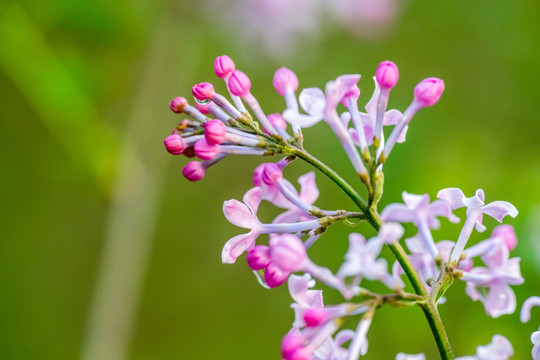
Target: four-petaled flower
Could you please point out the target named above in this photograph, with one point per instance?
(422, 213)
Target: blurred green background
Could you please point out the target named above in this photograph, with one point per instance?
(107, 252)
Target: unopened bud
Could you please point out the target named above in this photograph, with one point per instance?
(258, 257)
(214, 132)
(174, 144)
(285, 78)
(387, 75)
(508, 234)
(239, 83)
(223, 66)
(178, 104)
(203, 91)
(194, 171)
(287, 252)
(428, 91)
(315, 317)
(204, 150)
(274, 276)
(271, 174)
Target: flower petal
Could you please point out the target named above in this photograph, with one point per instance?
(392, 117)
(397, 212)
(302, 120)
(454, 196)
(253, 198)
(312, 101)
(236, 246)
(298, 287)
(238, 214)
(500, 300)
(525, 314)
(499, 209)
(309, 192)
(371, 106)
(443, 208)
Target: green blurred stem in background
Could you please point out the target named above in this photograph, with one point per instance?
(33, 66)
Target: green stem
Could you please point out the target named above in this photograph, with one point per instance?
(334, 176)
(428, 306)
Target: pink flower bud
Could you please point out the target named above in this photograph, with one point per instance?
(290, 344)
(387, 75)
(277, 121)
(315, 316)
(287, 252)
(257, 175)
(174, 144)
(353, 93)
(303, 353)
(214, 131)
(203, 108)
(204, 150)
(194, 171)
(223, 66)
(466, 264)
(283, 79)
(239, 83)
(203, 91)
(178, 104)
(258, 257)
(508, 234)
(271, 174)
(428, 91)
(274, 276)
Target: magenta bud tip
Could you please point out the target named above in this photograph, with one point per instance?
(287, 252)
(315, 317)
(285, 78)
(428, 91)
(203, 91)
(387, 75)
(194, 171)
(258, 257)
(508, 234)
(204, 150)
(239, 83)
(178, 104)
(290, 344)
(223, 66)
(271, 174)
(214, 132)
(174, 144)
(274, 276)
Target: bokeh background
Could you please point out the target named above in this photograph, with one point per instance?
(107, 252)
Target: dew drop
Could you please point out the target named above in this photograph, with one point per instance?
(259, 277)
(202, 102)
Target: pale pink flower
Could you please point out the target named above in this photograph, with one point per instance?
(498, 349)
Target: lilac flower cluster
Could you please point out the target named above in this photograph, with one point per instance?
(218, 127)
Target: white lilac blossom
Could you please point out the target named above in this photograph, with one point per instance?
(498, 349)
(476, 208)
(430, 265)
(418, 210)
(362, 261)
(245, 215)
(500, 272)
